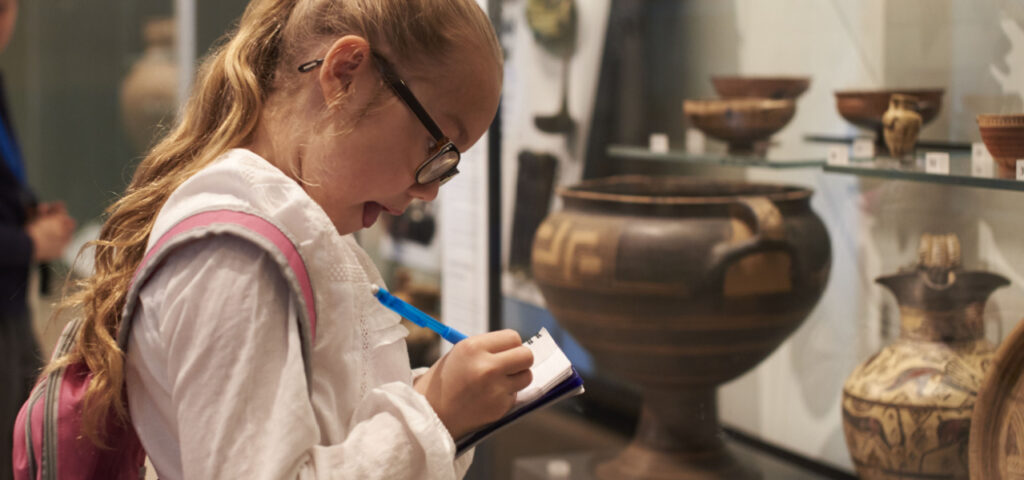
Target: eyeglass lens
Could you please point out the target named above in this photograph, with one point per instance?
(439, 165)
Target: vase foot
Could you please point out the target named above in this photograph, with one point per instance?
(757, 149)
(638, 462)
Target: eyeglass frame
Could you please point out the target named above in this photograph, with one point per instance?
(397, 85)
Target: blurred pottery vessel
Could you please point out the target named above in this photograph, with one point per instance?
(679, 285)
(736, 86)
(907, 410)
(1004, 137)
(865, 108)
(744, 123)
(149, 93)
(996, 449)
(901, 125)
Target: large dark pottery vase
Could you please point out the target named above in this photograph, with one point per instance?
(679, 285)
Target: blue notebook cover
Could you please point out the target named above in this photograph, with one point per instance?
(550, 366)
(570, 387)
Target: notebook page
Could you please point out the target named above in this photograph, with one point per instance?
(550, 367)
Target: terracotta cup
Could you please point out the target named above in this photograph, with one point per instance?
(865, 108)
(741, 122)
(1004, 137)
(736, 86)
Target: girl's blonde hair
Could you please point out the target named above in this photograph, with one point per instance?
(273, 37)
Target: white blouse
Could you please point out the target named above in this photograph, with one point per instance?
(215, 378)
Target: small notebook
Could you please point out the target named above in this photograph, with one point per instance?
(554, 378)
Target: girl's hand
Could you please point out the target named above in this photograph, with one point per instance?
(476, 382)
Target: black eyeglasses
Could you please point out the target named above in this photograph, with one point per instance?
(443, 160)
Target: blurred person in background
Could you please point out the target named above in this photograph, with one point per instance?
(30, 233)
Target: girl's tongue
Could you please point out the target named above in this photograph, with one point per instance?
(371, 210)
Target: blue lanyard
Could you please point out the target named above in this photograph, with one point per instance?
(11, 154)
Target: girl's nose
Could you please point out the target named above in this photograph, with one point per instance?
(427, 192)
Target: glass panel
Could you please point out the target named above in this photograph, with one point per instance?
(959, 172)
(64, 72)
(877, 213)
(625, 153)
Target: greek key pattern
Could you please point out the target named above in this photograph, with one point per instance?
(572, 252)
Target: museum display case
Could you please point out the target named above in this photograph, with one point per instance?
(900, 117)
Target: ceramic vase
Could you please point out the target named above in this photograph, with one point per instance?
(900, 126)
(678, 285)
(149, 91)
(907, 409)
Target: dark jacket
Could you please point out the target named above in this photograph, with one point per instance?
(16, 201)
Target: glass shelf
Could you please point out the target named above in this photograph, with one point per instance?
(880, 167)
(959, 172)
(642, 153)
(942, 145)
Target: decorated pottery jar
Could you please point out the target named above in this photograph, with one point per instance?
(679, 285)
(907, 409)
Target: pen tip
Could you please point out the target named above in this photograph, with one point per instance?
(375, 288)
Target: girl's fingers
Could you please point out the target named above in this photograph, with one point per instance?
(498, 341)
(520, 380)
(514, 360)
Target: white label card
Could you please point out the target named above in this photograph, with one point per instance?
(1020, 169)
(978, 151)
(838, 155)
(936, 163)
(695, 142)
(981, 161)
(864, 148)
(658, 143)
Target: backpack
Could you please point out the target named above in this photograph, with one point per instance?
(48, 443)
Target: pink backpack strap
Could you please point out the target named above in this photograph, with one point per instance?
(39, 444)
(48, 443)
(248, 226)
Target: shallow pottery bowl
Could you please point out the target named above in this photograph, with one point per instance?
(865, 108)
(740, 122)
(733, 86)
(1004, 137)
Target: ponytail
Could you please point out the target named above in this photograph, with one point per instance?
(222, 113)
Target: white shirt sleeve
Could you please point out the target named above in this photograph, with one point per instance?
(217, 387)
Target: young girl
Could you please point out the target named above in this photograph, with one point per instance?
(320, 115)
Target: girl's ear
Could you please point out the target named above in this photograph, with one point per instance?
(347, 66)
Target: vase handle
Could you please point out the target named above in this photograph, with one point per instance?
(769, 235)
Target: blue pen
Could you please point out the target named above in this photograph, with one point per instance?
(414, 315)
